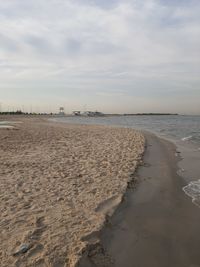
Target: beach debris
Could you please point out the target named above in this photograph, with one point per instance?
(22, 249)
(177, 154)
(59, 198)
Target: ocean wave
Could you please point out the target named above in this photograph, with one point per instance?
(187, 138)
(193, 191)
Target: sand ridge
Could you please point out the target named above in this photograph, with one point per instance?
(58, 182)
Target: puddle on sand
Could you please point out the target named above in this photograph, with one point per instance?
(9, 122)
(6, 127)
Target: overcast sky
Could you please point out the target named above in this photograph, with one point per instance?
(106, 55)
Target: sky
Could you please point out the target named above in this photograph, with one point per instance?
(114, 56)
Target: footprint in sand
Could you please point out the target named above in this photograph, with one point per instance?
(36, 250)
(40, 228)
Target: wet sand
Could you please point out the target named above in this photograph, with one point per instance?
(58, 184)
(156, 225)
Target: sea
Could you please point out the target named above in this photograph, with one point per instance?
(183, 130)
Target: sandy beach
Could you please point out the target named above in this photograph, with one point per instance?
(59, 184)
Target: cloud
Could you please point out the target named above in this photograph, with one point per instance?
(144, 48)
(8, 44)
(100, 3)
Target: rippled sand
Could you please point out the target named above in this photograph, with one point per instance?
(58, 183)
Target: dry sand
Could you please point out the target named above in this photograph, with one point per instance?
(58, 183)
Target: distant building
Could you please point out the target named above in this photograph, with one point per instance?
(93, 113)
(87, 113)
(76, 113)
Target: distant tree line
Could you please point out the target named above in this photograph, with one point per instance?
(19, 112)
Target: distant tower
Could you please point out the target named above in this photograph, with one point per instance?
(61, 111)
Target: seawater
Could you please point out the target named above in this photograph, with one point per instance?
(184, 131)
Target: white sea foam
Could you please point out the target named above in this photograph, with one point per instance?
(187, 138)
(193, 191)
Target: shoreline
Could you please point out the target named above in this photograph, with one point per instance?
(148, 228)
(188, 166)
